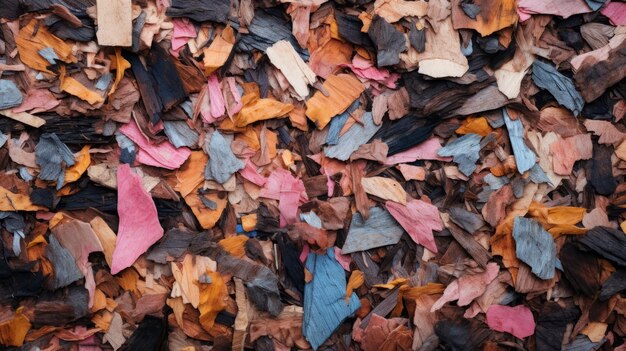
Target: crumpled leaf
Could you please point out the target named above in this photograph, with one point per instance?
(76, 88)
(217, 53)
(32, 38)
(10, 95)
(606, 130)
(222, 161)
(357, 278)
(83, 160)
(10, 201)
(467, 287)
(379, 229)
(257, 109)
(561, 87)
(525, 159)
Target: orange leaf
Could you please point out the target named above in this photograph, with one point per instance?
(13, 330)
(212, 296)
(234, 245)
(120, 66)
(343, 89)
(31, 40)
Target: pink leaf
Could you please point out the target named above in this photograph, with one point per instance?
(163, 155)
(419, 219)
(517, 320)
(139, 224)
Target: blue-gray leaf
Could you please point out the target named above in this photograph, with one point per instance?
(222, 161)
(524, 157)
(10, 95)
(325, 306)
(561, 87)
(337, 123)
(380, 229)
(356, 136)
(535, 247)
(65, 270)
(464, 151)
(180, 134)
(53, 156)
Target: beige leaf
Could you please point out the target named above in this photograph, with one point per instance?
(384, 188)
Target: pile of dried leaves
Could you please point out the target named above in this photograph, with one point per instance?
(312, 174)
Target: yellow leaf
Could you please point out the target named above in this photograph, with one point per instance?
(357, 278)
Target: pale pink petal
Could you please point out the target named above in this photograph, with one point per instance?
(288, 204)
(472, 286)
(90, 282)
(183, 31)
(177, 46)
(331, 186)
(467, 288)
(365, 69)
(330, 183)
(523, 15)
(183, 28)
